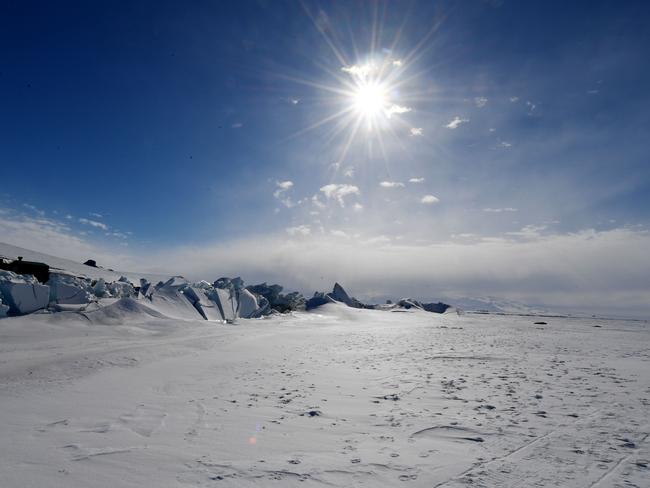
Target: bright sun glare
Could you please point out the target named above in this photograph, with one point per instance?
(369, 95)
(370, 100)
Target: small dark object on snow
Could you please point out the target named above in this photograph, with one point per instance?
(392, 396)
(91, 262)
(312, 413)
(541, 323)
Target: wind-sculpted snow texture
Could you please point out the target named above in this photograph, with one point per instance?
(340, 397)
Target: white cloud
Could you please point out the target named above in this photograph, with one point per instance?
(396, 109)
(93, 223)
(303, 230)
(429, 200)
(357, 207)
(531, 106)
(237, 125)
(294, 101)
(505, 144)
(360, 71)
(349, 172)
(338, 192)
(416, 131)
(499, 210)
(416, 180)
(480, 102)
(455, 122)
(397, 63)
(96, 215)
(281, 193)
(514, 99)
(284, 185)
(391, 184)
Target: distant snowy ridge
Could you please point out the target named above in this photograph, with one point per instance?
(490, 304)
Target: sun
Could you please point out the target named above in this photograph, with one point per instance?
(370, 100)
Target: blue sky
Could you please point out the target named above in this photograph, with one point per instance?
(150, 133)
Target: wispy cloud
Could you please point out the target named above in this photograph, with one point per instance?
(429, 200)
(33, 209)
(391, 184)
(360, 71)
(338, 192)
(529, 231)
(54, 237)
(93, 223)
(456, 122)
(514, 99)
(96, 215)
(302, 230)
(416, 131)
(281, 192)
(480, 102)
(416, 180)
(499, 210)
(237, 125)
(340, 233)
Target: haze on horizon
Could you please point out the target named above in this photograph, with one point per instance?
(426, 149)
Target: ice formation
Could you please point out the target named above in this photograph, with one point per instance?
(22, 293)
(69, 290)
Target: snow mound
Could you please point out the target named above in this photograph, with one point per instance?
(123, 311)
(168, 298)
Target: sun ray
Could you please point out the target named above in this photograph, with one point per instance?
(315, 125)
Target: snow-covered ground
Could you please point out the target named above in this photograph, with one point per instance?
(337, 397)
